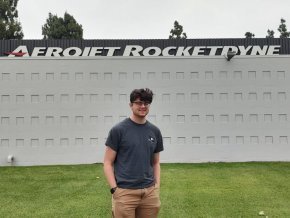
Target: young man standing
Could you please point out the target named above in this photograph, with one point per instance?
(131, 162)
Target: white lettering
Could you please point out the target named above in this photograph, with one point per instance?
(77, 52)
(183, 51)
(86, 51)
(274, 50)
(53, 51)
(96, 50)
(198, 50)
(111, 50)
(166, 51)
(38, 51)
(132, 49)
(229, 48)
(257, 50)
(20, 49)
(156, 51)
(243, 50)
(137, 50)
(213, 49)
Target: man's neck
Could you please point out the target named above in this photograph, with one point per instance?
(139, 120)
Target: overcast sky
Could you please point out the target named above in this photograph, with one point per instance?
(153, 19)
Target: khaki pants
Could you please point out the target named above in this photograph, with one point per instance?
(136, 203)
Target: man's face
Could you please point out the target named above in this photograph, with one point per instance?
(140, 108)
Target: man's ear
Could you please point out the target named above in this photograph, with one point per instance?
(130, 104)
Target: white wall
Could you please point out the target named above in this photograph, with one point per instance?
(59, 110)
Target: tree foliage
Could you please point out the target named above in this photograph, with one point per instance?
(62, 28)
(283, 29)
(270, 33)
(249, 35)
(10, 27)
(177, 32)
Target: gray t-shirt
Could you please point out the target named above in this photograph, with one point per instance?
(135, 145)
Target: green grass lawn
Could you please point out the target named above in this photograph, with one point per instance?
(187, 190)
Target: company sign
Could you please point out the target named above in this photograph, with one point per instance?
(138, 50)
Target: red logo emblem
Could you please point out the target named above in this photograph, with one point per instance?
(17, 54)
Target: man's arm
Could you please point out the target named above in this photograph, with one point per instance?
(156, 168)
(109, 159)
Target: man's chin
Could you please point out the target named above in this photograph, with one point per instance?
(142, 115)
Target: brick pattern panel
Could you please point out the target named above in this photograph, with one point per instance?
(59, 111)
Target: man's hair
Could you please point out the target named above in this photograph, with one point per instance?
(143, 94)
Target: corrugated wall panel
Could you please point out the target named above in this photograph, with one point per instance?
(9, 45)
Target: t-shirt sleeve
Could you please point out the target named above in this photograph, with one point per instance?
(159, 146)
(113, 139)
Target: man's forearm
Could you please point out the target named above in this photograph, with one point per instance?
(109, 173)
(156, 168)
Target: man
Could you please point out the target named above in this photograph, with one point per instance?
(131, 162)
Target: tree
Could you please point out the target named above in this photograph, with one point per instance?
(177, 32)
(62, 28)
(270, 34)
(10, 27)
(283, 29)
(249, 35)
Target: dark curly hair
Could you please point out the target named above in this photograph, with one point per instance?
(145, 95)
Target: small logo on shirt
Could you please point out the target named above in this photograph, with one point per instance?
(151, 139)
